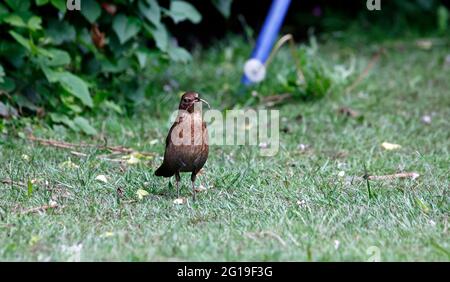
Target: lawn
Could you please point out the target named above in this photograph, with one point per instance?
(309, 202)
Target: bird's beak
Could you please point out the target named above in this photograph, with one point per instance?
(201, 100)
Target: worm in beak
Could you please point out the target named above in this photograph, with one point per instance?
(201, 100)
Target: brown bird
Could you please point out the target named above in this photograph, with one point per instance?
(187, 142)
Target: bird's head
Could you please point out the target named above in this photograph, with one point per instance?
(188, 101)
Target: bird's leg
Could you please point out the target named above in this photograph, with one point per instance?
(193, 176)
(177, 179)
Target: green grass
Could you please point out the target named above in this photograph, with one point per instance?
(294, 206)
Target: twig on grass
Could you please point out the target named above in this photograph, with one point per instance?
(293, 240)
(78, 154)
(42, 208)
(73, 146)
(10, 182)
(366, 70)
(273, 100)
(274, 235)
(401, 175)
(255, 236)
(412, 175)
(287, 38)
(129, 201)
(102, 157)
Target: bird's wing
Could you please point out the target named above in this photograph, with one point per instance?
(166, 168)
(170, 133)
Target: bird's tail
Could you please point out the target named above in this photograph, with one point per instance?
(164, 171)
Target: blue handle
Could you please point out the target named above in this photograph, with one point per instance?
(269, 32)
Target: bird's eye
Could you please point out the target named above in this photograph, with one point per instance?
(185, 100)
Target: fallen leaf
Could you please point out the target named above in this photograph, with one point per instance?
(301, 203)
(141, 193)
(133, 160)
(179, 201)
(107, 234)
(33, 240)
(200, 188)
(68, 164)
(336, 244)
(154, 142)
(424, 44)
(426, 119)
(52, 203)
(302, 147)
(25, 157)
(348, 112)
(390, 146)
(136, 157)
(263, 145)
(101, 178)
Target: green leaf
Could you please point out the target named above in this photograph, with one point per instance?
(58, 118)
(18, 6)
(223, 6)
(22, 40)
(41, 2)
(181, 10)
(84, 125)
(3, 12)
(57, 58)
(126, 27)
(2, 74)
(60, 4)
(71, 83)
(69, 101)
(179, 54)
(442, 17)
(29, 188)
(91, 10)
(141, 56)
(160, 35)
(76, 86)
(41, 51)
(152, 11)
(60, 31)
(8, 85)
(114, 66)
(34, 23)
(15, 20)
(110, 105)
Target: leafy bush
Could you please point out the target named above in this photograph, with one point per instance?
(319, 78)
(53, 59)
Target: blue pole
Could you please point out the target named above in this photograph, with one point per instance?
(266, 38)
